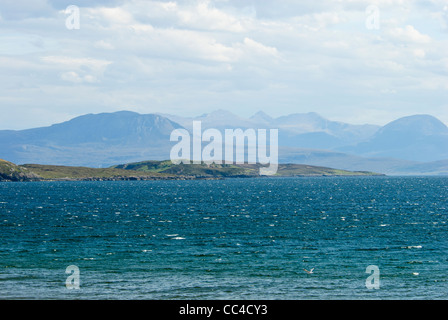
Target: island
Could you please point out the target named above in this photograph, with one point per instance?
(160, 170)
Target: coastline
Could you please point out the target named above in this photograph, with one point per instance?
(161, 170)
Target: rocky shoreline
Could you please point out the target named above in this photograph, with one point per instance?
(137, 178)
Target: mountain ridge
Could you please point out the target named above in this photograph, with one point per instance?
(417, 137)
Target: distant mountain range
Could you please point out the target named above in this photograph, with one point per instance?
(416, 144)
(303, 130)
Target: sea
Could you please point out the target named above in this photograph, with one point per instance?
(296, 238)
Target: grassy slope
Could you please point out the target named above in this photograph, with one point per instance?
(66, 172)
(300, 169)
(225, 170)
(188, 169)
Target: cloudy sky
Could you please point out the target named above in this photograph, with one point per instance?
(354, 61)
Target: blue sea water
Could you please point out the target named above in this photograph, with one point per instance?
(226, 239)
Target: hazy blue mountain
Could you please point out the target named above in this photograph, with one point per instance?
(314, 140)
(219, 119)
(418, 138)
(92, 139)
(312, 130)
(261, 117)
(124, 127)
(436, 167)
(301, 130)
(302, 122)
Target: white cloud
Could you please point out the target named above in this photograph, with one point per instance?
(77, 70)
(259, 48)
(74, 77)
(113, 16)
(318, 21)
(203, 17)
(419, 53)
(181, 44)
(101, 44)
(409, 34)
(22, 9)
(96, 65)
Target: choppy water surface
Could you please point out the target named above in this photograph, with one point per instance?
(226, 239)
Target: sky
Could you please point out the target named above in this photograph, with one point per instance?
(352, 61)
